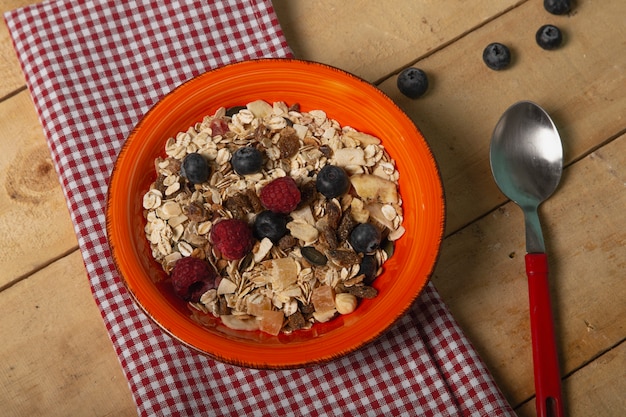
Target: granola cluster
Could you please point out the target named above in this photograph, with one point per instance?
(312, 273)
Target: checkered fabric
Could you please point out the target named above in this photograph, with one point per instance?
(93, 68)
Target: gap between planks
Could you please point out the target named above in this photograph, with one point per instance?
(571, 373)
(38, 269)
(448, 43)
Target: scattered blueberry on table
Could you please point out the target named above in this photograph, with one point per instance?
(497, 56)
(557, 6)
(549, 37)
(412, 82)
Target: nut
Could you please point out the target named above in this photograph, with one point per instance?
(345, 303)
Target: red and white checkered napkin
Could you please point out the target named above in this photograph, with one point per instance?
(93, 69)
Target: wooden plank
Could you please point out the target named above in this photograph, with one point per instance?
(35, 226)
(466, 99)
(60, 361)
(374, 39)
(12, 77)
(595, 390)
(481, 274)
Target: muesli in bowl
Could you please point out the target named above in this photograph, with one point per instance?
(365, 116)
(271, 218)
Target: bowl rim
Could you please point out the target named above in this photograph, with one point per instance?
(114, 180)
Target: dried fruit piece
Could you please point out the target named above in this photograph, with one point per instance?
(295, 321)
(284, 272)
(218, 127)
(346, 225)
(343, 257)
(323, 298)
(362, 291)
(372, 188)
(260, 108)
(333, 213)
(271, 322)
(308, 194)
(288, 142)
(255, 201)
(287, 242)
(256, 306)
(196, 212)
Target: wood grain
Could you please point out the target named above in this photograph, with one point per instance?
(466, 98)
(595, 390)
(35, 225)
(481, 273)
(59, 361)
(56, 358)
(374, 39)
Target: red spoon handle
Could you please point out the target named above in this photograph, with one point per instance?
(545, 358)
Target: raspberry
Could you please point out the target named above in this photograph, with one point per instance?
(192, 277)
(232, 237)
(281, 195)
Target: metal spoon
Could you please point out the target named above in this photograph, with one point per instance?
(526, 157)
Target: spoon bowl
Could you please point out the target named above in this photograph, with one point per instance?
(526, 156)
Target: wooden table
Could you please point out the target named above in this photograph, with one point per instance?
(56, 358)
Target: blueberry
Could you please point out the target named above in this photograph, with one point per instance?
(412, 82)
(365, 238)
(557, 6)
(195, 168)
(270, 225)
(231, 111)
(549, 37)
(368, 267)
(247, 160)
(497, 56)
(332, 181)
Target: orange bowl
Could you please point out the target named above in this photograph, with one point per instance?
(345, 98)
